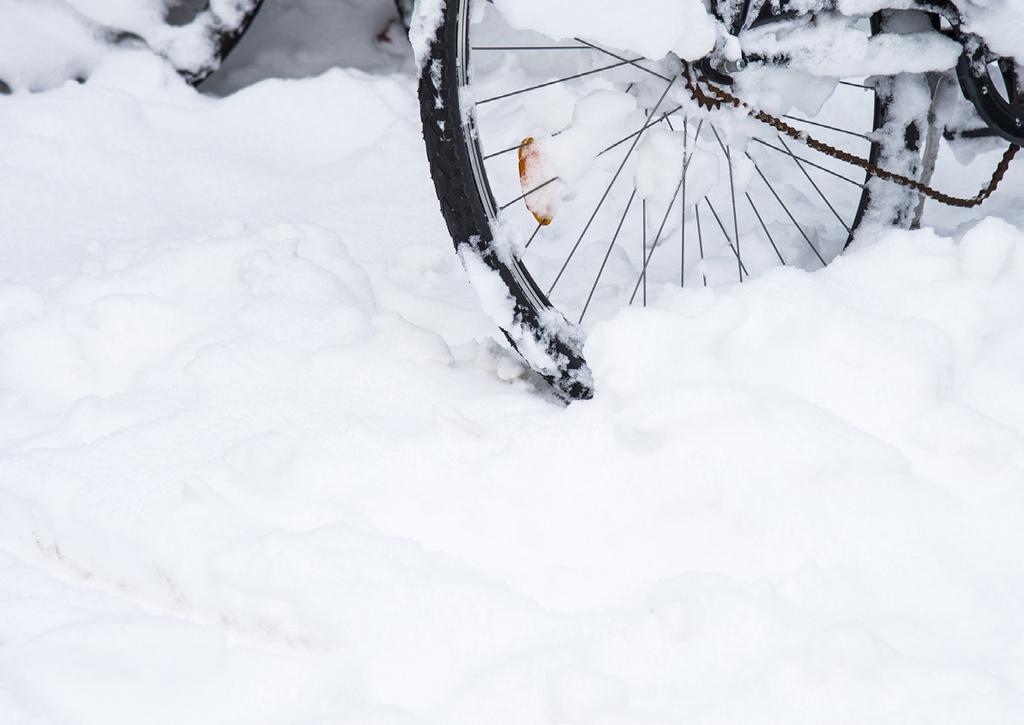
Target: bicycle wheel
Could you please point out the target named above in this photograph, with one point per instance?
(576, 179)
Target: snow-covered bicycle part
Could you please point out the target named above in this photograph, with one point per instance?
(740, 199)
(46, 42)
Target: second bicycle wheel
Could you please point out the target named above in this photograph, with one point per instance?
(578, 178)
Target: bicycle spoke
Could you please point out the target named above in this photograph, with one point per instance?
(696, 209)
(602, 69)
(604, 196)
(700, 243)
(786, 209)
(764, 226)
(682, 211)
(657, 237)
(696, 138)
(848, 180)
(527, 193)
(732, 192)
(816, 187)
(664, 220)
(643, 248)
(607, 254)
(531, 47)
(634, 63)
(825, 125)
(736, 253)
(664, 117)
(510, 149)
(661, 119)
(533, 236)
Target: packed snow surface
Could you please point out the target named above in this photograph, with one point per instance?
(262, 459)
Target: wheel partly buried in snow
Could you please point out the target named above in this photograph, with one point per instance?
(576, 179)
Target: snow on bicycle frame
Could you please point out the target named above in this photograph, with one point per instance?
(46, 42)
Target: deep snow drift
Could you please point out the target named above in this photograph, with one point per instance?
(262, 461)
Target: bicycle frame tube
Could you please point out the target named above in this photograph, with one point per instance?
(1004, 117)
(752, 14)
(756, 12)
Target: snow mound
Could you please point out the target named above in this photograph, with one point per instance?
(797, 497)
(262, 461)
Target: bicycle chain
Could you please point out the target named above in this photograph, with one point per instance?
(723, 97)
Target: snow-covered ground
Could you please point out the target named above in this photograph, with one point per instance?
(263, 461)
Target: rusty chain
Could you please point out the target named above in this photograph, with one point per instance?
(720, 97)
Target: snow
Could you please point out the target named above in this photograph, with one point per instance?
(48, 41)
(652, 28)
(838, 47)
(263, 461)
(654, 177)
(995, 20)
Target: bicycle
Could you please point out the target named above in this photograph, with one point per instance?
(751, 155)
